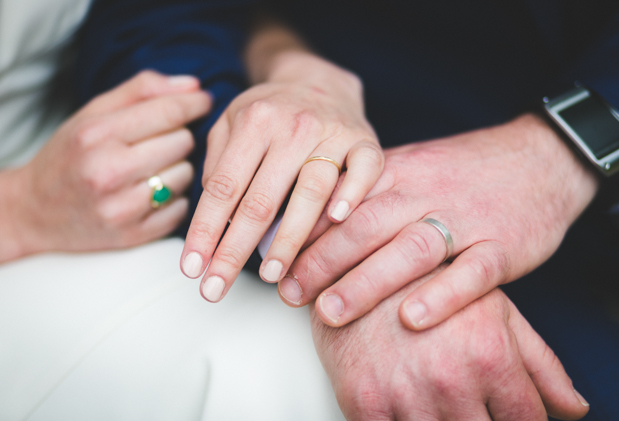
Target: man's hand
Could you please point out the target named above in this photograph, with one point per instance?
(507, 194)
(87, 188)
(485, 361)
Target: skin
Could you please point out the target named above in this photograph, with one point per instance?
(304, 107)
(375, 363)
(483, 363)
(86, 189)
(507, 194)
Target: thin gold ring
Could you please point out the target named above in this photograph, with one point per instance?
(327, 159)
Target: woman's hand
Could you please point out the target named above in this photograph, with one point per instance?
(87, 188)
(307, 107)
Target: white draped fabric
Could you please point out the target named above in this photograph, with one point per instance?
(123, 335)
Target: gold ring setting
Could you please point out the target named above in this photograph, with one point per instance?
(161, 194)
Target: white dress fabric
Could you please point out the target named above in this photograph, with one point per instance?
(123, 335)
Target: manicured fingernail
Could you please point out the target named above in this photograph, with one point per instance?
(212, 288)
(182, 80)
(272, 271)
(192, 265)
(582, 400)
(332, 306)
(416, 312)
(291, 290)
(340, 211)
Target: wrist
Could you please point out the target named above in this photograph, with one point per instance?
(17, 235)
(576, 182)
(298, 66)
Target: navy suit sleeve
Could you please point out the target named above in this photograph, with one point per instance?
(598, 66)
(199, 37)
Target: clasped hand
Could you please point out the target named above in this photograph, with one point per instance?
(507, 194)
(87, 188)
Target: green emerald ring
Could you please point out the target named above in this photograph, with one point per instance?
(161, 194)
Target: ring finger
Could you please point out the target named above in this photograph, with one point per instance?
(316, 181)
(415, 251)
(134, 203)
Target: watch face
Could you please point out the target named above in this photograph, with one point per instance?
(591, 124)
(594, 122)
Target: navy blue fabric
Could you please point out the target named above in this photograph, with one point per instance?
(430, 69)
(434, 68)
(572, 301)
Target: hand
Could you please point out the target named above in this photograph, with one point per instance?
(485, 361)
(256, 151)
(87, 189)
(507, 195)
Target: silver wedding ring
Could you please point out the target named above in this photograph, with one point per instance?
(449, 243)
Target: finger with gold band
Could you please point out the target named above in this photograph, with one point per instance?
(160, 193)
(326, 159)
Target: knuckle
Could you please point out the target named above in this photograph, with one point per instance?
(289, 241)
(363, 226)
(230, 256)
(111, 215)
(221, 187)
(258, 112)
(88, 132)
(101, 179)
(314, 187)
(372, 286)
(366, 403)
(257, 207)
(173, 112)
(185, 137)
(202, 230)
(372, 155)
(414, 245)
(444, 382)
(145, 81)
(491, 268)
(317, 265)
(303, 124)
(490, 353)
(354, 81)
(550, 363)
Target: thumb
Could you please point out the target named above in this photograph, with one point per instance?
(546, 371)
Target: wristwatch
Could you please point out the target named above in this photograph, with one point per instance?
(590, 123)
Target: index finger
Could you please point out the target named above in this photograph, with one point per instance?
(146, 84)
(373, 224)
(153, 117)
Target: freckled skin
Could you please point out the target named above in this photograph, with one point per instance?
(474, 364)
(507, 194)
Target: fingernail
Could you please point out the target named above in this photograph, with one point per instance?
(291, 290)
(416, 312)
(182, 80)
(332, 306)
(582, 400)
(212, 288)
(340, 211)
(192, 265)
(272, 271)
